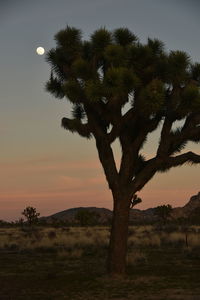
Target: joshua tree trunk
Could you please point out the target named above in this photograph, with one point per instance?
(119, 237)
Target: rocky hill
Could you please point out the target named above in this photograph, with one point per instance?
(69, 215)
(186, 210)
(136, 215)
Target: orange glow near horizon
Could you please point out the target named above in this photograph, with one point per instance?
(52, 186)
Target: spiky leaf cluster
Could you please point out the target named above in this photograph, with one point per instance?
(115, 55)
(54, 86)
(124, 37)
(73, 91)
(94, 90)
(191, 98)
(100, 75)
(195, 71)
(100, 39)
(78, 112)
(119, 82)
(178, 64)
(152, 97)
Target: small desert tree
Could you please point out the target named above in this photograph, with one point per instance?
(163, 212)
(31, 215)
(99, 76)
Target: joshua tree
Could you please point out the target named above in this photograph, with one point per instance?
(163, 212)
(31, 215)
(99, 77)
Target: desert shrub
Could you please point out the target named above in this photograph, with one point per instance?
(144, 229)
(31, 231)
(163, 212)
(170, 227)
(194, 240)
(144, 239)
(173, 239)
(51, 235)
(131, 231)
(11, 246)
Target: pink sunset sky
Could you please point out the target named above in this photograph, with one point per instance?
(54, 183)
(41, 164)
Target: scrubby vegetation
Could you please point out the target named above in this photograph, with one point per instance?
(70, 263)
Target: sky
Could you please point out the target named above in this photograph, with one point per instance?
(41, 164)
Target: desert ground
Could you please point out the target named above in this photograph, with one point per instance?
(70, 263)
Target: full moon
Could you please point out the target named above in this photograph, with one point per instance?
(40, 50)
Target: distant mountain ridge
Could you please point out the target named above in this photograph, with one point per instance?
(187, 209)
(136, 215)
(69, 214)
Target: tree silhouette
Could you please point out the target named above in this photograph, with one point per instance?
(31, 215)
(194, 216)
(163, 212)
(99, 76)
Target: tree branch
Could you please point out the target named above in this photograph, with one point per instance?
(120, 123)
(131, 146)
(75, 125)
(108, 162)
(161, 164)
(178, 160)
(187, 134)
(104, 148)
(144, 175)
(165, 137)
(192, 120)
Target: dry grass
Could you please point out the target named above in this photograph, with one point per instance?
(176, 238)
(49, 263)
(68, 239)
(43, 238)
(144, 240)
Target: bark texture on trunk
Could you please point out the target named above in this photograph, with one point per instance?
(118, 238)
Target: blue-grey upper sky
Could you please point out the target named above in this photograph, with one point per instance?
(30, 118)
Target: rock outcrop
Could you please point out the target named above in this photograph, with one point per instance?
(186, 210)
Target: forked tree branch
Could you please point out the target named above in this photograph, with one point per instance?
(144, 175)
(105, 152)
(165, 137)
(161, 164)
(178, 160)
(131, 146)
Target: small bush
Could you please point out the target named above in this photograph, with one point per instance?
(51, 235)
